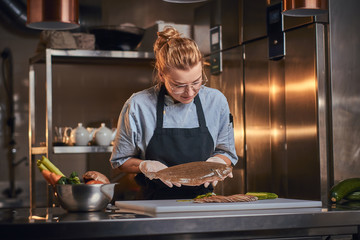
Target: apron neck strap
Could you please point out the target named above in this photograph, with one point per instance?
(200, 112)
(160, 109)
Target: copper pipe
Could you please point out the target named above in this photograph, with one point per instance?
(54, 14)
(303, 8)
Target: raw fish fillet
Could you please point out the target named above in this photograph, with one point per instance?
(223, 199)
(193, 173)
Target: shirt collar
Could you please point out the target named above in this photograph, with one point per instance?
(168, 100)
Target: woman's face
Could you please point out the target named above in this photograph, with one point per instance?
(184, 85)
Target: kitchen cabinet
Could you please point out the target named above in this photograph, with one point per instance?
(49, 58)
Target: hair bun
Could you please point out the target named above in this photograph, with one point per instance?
(164, 36)
(169, 33)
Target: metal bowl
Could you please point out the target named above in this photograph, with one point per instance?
(84, 197)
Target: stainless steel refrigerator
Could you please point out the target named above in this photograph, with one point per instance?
(276, 73)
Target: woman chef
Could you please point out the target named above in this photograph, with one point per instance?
(177, 121)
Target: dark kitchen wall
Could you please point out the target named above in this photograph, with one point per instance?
(22, 47)
(142, 13)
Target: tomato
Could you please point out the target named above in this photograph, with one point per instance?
(94, 182)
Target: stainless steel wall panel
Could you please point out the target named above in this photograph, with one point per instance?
(253, 21)
(224, 13)
(281, 128)
(202, 20)
(257, 116)
(301, 114)
(344, 25)
(230, 23)
(278, 128)
(230, 82)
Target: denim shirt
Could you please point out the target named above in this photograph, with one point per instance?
(137, 123)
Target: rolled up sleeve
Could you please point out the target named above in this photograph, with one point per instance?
(225, 144)
(127, 136)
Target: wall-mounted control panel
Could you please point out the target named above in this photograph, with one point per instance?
(215, 48)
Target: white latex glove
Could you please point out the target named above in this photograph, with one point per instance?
(151, 166)
(148, 167)
(216, 160)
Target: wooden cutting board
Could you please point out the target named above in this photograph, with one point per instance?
(174, 206)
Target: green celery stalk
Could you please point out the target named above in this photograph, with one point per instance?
(41, 166)
(51, 166)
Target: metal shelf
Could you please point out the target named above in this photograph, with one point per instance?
(49, 57)
(72, 149)
(66, 56)
(82, 149)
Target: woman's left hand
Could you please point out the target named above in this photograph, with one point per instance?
(216, 160)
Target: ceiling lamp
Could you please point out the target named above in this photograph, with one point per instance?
(52, 14)
(304, 8)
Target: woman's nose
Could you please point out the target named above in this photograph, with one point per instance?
(189, 90)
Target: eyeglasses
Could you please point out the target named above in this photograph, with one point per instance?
(179, 89)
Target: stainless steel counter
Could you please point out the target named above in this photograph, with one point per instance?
(55, 223)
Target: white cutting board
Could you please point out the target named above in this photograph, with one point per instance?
(173, 206)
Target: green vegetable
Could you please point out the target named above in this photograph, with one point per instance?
(348, 205)
(62, 180)
(74, 178)
(205, 195)
(344, 188)
(49, 165)
(263, 195)
(354, 196)
(41, 166)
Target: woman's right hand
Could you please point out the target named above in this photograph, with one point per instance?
(148, 167)
(151, 166)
